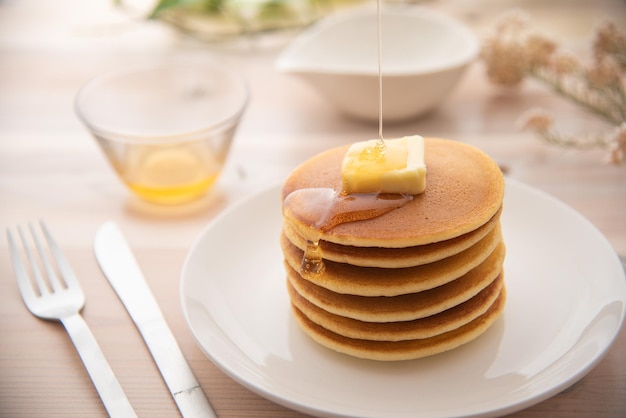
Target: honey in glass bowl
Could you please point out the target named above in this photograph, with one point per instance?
(166, 129)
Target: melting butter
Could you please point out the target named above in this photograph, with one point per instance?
(397, 168)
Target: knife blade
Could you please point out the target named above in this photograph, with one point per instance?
(123, 273)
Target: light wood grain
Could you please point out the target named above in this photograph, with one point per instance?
(50, 168)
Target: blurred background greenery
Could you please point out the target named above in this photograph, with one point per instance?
(222, 19)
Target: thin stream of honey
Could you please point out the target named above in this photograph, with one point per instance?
(336, 207)
(381, 147)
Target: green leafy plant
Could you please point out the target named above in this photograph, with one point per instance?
(215, 19)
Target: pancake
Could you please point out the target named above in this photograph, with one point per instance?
(427, 327)
(373, 281)
(394, 257)
(402, 350)
(391, 276)
(403, 307)
(465, 189)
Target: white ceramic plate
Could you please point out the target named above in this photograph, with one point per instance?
(566, 300)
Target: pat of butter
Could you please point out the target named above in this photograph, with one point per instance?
(399, 169)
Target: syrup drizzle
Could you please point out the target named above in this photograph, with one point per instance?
(312, 261)
(325, 208)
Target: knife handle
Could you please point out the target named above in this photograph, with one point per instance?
(109, 389)
(180, 380)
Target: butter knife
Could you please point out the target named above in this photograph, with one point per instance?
(120, 268)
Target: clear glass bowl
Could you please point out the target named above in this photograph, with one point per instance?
(166, 129)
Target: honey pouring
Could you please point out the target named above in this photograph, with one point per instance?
(377, 176)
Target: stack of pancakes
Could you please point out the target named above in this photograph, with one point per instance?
(420, 279)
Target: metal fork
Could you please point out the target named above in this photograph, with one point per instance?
(62, 300)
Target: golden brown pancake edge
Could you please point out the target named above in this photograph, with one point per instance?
(394, 257)
(374, 281)
(427, 327)
(403, 307)
(464, 190)
(403, 350)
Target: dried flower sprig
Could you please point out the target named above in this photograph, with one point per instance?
(513, 50)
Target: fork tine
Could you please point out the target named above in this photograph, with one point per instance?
(65, 306)
(42, 287)
(23, 282)
(43, 256)
(64, 266)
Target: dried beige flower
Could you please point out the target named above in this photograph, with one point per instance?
(538, 48)
(563, 63)
(503, 53)
(535, 119)
(604, 73)
(505, 63)
(610, 41)
(617, 147)
(513, 50)
(511, 22)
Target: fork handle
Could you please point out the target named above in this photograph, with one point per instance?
(109, 389)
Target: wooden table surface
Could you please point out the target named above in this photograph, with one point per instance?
(50, 168)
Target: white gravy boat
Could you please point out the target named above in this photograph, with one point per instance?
(424, 53)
